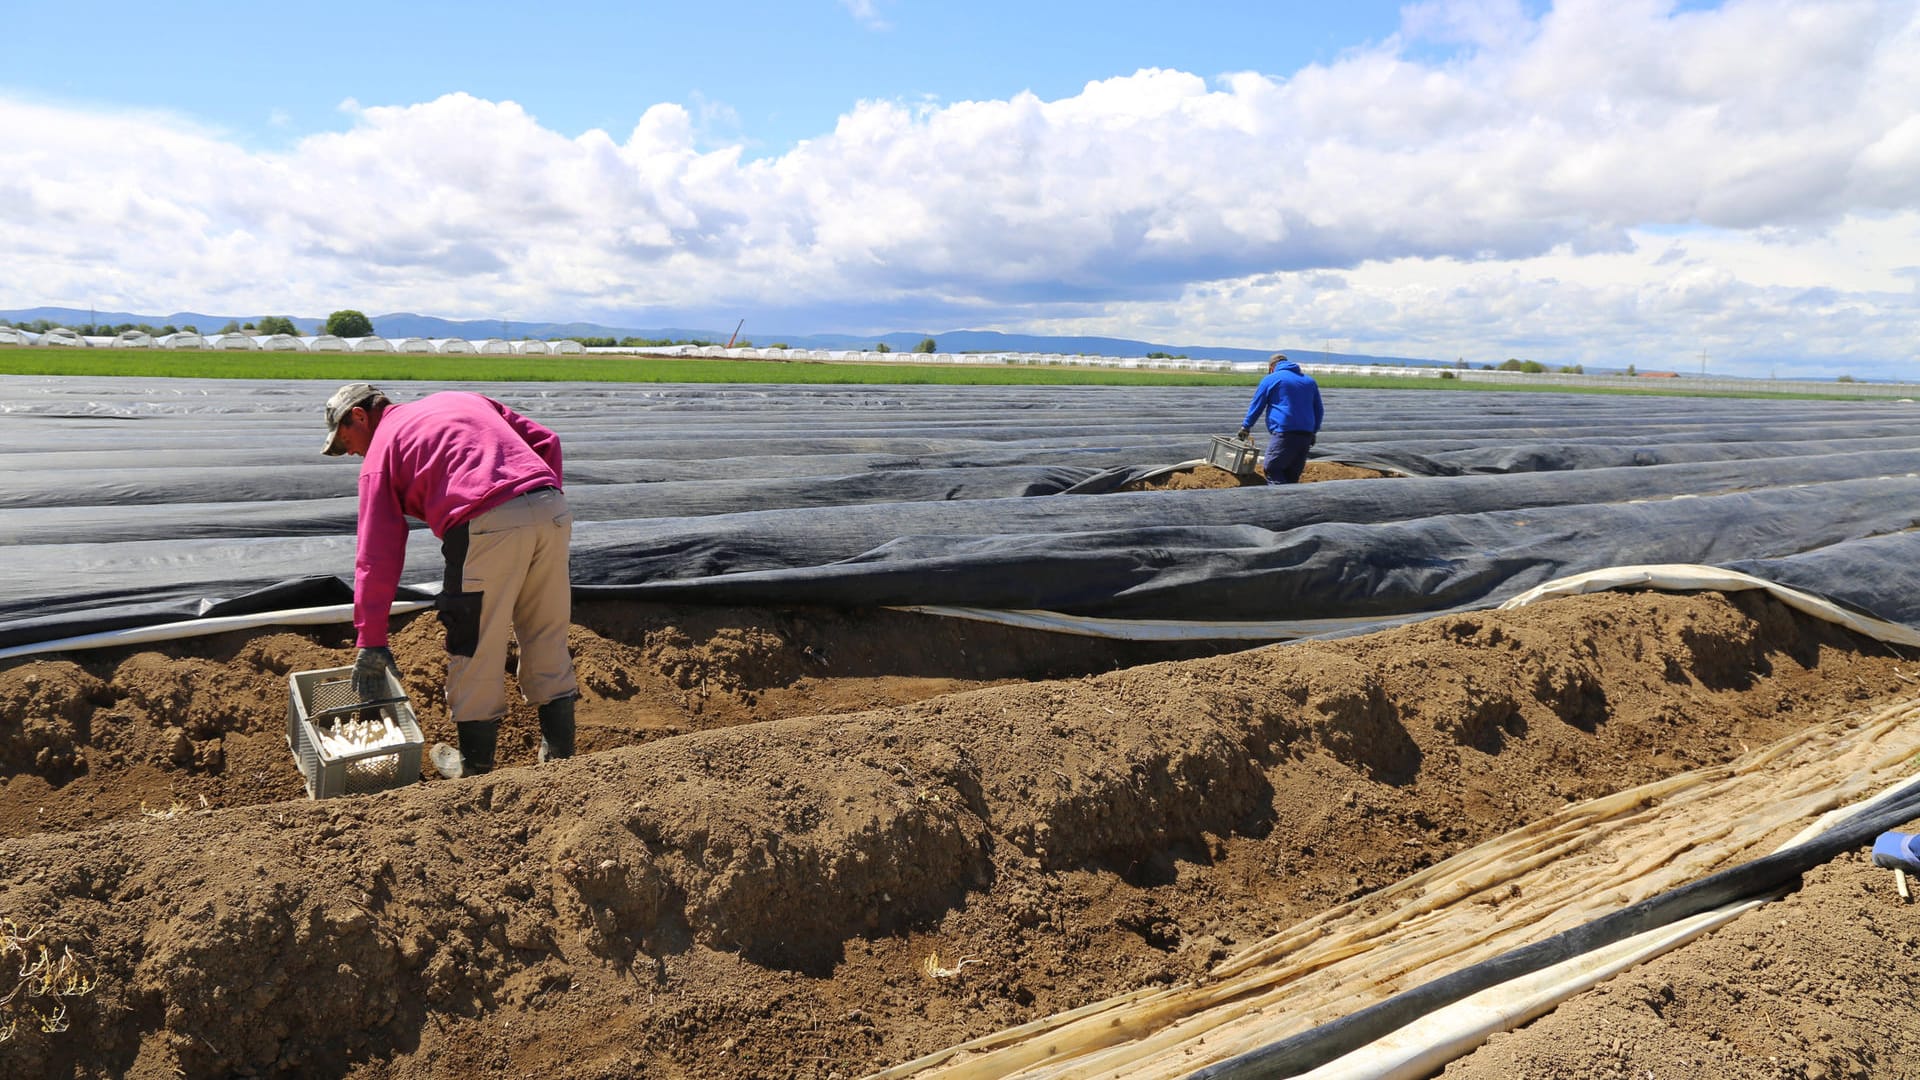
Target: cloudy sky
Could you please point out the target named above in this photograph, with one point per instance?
(1733, 186)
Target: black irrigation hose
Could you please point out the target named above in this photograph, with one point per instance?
(1311, 1049)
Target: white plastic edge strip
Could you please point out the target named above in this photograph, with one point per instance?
(1672, 577)
(1161, 629)
(1688, 576)
(1421, 1048)
(140, 635)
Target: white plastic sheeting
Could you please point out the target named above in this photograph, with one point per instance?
(325, 615)
(1687, 578)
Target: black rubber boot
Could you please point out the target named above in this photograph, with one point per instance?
(477, 739)
(556, 729)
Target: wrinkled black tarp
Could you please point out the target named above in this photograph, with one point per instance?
(127, 502)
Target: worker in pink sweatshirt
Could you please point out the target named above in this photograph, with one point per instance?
(487, 481)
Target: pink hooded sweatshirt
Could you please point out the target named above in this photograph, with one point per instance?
(445, 460)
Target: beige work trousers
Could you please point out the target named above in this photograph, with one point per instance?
(511, 580)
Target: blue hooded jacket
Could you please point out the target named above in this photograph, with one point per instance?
(1289, 397)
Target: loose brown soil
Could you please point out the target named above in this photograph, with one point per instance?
(778, 817)
(1210, 476)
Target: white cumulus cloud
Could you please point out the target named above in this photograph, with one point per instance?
(1610, 182)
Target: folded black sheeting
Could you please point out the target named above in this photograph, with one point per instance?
(127, 503)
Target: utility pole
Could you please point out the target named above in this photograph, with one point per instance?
(1703, 363)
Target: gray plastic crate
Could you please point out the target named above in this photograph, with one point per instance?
(316, 699)
(1232, 455)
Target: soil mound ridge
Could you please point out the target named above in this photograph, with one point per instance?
(791, 897)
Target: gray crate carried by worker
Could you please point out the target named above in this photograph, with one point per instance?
(1232, 455)
(346, 745)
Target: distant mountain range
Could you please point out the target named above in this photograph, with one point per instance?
(407, 324)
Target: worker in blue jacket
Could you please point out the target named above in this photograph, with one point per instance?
(1291, 401)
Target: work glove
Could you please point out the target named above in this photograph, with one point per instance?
(1246, 434)
(370, 667)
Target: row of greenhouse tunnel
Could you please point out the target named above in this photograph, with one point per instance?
(61, 337)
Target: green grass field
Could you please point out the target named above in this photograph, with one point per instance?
(331, 367)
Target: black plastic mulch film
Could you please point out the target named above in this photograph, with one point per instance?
(134, 502)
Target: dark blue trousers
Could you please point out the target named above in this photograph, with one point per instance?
(1287, 456)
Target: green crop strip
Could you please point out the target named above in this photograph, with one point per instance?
(397, 367)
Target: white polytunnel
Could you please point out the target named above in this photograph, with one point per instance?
(133, 339)
(181, 339)
(492, 347)
(325, 343)
(13, 335)
(63, 337)
(452, 346)
(530, 347)
(234, 342)
(413, 345)
(370, 344)
(567, 347)
(279, 343)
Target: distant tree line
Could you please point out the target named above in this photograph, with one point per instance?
(41, 326)
(1534, 367)
(272, 324)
